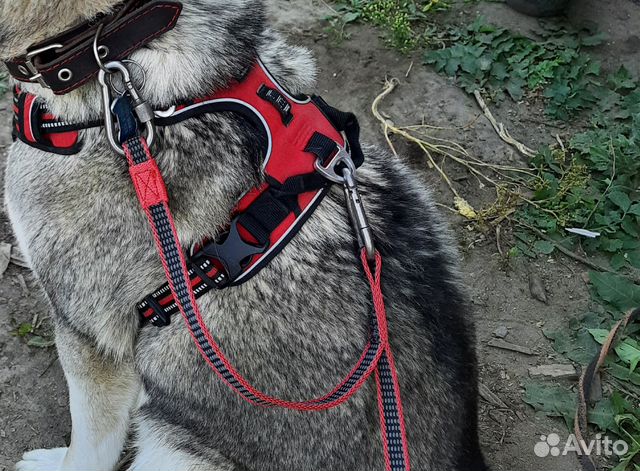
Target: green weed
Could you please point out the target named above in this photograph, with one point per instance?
(496, 61)
(404, 22)
(34, 335)
(590, 182)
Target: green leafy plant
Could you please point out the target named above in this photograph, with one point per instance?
(404, 22)
(485, 57)
(34, 335)
(592, 184)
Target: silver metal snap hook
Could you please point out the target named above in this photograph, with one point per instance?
(357, 214)
(142, 109)
(341, 169)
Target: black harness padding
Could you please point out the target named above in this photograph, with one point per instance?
(344, 122)
(266, 213)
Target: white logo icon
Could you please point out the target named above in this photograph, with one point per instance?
(549, 445)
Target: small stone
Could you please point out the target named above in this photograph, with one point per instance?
(537, 289)
(554, 371)
(501, 332)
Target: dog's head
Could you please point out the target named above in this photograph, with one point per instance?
(27, 22)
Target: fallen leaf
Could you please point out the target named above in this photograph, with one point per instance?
(40, 342)
(464, 208)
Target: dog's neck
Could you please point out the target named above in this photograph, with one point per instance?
(212, 44)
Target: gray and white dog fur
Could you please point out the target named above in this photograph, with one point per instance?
(294, 330)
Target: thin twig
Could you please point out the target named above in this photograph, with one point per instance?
(408, 70)
(569, 253)
(500, 129)
(606, 191)
(55, 357)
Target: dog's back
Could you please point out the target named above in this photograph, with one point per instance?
(294, 330)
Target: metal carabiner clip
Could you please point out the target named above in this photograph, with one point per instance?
(341, 169)
(357, 213)
(142, 109)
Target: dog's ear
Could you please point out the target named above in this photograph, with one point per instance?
(27, 22)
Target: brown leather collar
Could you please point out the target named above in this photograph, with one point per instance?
(67, 61)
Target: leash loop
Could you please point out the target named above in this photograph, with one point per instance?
(377, 358)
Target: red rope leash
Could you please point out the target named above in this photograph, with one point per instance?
(151, 192)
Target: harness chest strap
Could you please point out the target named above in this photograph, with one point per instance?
(294, 133)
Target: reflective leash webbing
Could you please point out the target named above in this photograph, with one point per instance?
(377, 356)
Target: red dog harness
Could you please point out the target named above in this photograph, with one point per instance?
(308, 146)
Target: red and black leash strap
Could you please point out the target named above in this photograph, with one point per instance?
(377, 356)
(581, 423)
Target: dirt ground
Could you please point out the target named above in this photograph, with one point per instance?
(33, 398)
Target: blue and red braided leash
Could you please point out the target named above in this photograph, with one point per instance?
(377, 356)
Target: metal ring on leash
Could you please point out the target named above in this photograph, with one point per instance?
(143, 111)
(124, 90)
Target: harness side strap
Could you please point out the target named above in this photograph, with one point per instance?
(377, 356)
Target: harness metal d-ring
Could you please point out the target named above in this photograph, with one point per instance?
(331, 170)
(96, 51)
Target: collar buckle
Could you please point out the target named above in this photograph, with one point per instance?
(31, 55)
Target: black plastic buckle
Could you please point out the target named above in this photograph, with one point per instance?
(233, 252)
(160, 317)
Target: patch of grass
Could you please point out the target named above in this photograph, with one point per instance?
(495, 61)
(592, 184)
(404, 22)
(589, 182)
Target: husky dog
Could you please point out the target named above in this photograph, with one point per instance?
(294, 329)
